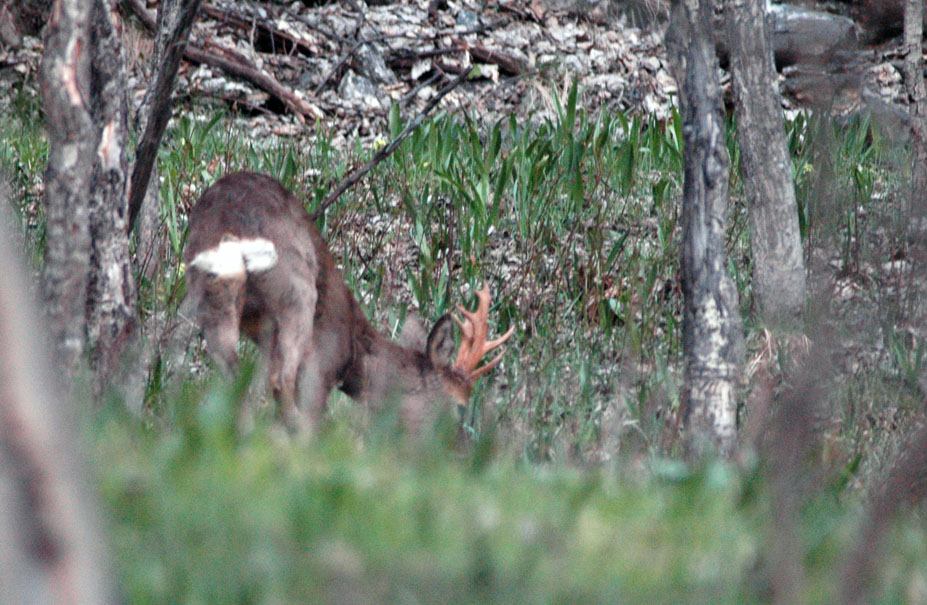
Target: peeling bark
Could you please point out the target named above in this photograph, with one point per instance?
(111, 285)
(712, 333)
(778, 264)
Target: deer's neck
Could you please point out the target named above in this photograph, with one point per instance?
(381, 369)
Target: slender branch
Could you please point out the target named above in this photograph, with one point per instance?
(141, 11)
(179, 23)
(385, 152)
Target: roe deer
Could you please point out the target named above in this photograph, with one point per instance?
(257, 264)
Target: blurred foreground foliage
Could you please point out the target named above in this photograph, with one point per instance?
(201, 514)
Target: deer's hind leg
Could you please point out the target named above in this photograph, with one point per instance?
(292, 341)
(219, 313)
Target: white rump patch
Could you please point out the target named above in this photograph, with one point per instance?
(259, 254)
(234, 257)
(225, 260)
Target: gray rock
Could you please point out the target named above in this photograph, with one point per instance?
(800, 35)
(370, 63)
(467, 19)
(358, 90)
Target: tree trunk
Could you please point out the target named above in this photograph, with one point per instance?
(111, 283)
(53, 548)
(72, 144)
(778, 263)
(712, 336)
(89, 286)
(917, 96)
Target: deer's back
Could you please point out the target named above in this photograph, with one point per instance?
(249, 206)
(246, 206)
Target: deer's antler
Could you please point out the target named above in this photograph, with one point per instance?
(473, 344)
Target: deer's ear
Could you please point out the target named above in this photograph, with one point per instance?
(440, 348)
(413, 336)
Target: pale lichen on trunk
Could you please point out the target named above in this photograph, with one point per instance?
(711, 380)
(712, 337)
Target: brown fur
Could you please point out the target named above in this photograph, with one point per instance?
(301, 314)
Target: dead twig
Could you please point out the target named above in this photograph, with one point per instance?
(277, 38)
(234, 64)
(506, 62)
(139, 9)
(411, 94)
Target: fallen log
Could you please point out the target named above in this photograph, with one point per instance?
(235, 65)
